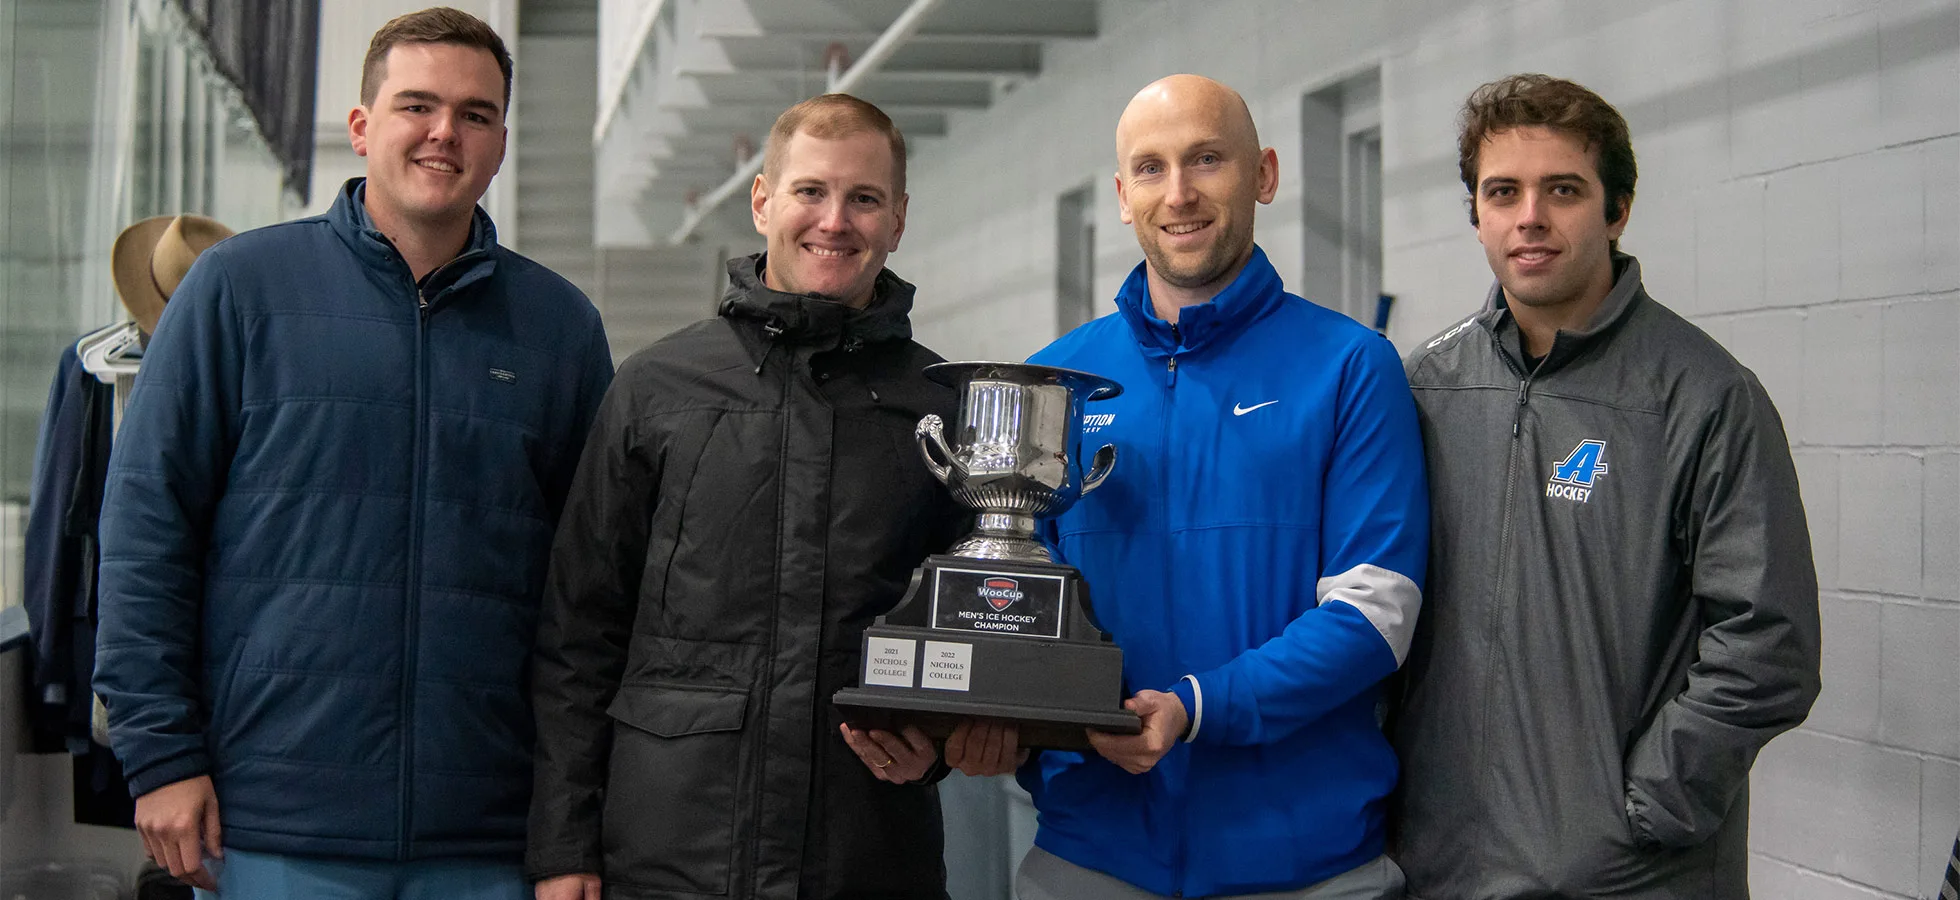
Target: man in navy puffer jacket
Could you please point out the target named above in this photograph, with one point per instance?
(329, 510)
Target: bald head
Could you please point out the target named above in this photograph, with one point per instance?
(1189, 171)
(1185, 100)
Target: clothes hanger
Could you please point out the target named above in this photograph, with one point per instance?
(102, 352)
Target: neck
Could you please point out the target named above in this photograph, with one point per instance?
(425, 246)
(1538, 326)
(1169, 300)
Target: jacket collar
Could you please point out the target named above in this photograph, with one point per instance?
(1249, 296)
(810, 320)
(1626, 295)
(349, 218)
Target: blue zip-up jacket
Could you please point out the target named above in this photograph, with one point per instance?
(328, 516)
(1259, 552)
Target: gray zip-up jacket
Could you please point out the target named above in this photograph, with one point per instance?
(1621, 611)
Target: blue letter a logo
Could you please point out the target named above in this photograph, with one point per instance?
(1585, 463)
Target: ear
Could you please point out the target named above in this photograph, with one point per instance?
(1268, 175)
(899, 210)
(357, 126)
(759, 203)
(1615, 229)
(1123, 200)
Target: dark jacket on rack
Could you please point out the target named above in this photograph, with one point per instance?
(71, 458)
(328, 519)
(750, 499)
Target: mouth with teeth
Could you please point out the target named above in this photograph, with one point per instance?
(438, 166)
(1185, 228)
(1533, 257)
(830, 252)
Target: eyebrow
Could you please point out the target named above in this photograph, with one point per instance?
(1216, 143)
(865, 188)
(1554, 178)
(433, 97)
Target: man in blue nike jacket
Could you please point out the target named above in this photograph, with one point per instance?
(1258, 554)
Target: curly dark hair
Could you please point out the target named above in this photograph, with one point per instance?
(1525, 100)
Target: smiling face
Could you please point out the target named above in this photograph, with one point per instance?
(831, 215)
(1541, 216)
(1189, 171)
(433, 135)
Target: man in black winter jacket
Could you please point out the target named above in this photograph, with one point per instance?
(750, 499)
(1621, 608)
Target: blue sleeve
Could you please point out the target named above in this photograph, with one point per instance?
(595, 376)
(1374, 552)
(166, 475)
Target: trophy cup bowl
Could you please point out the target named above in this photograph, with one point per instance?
(1017, 451)
(995, 628)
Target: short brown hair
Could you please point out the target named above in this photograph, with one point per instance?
(1555, 103)
(830, 117)
(435, 25)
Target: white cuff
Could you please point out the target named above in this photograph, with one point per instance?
(1197, 715)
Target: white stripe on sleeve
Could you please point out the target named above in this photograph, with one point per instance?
(1389, 600)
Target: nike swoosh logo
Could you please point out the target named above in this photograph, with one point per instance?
(1242, 410)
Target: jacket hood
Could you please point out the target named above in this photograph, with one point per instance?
(1249, 296)
(807, 319)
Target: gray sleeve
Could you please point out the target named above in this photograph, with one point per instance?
(1755, 588)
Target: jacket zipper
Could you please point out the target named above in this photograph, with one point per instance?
(768, 677)
(411, 609)
(1504, 536)
(1170, 633)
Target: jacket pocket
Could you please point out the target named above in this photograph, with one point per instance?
(676, 771)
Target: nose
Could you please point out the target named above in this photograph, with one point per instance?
(1530, 211)
(834, 218)
(442, 128)
(1178, 191)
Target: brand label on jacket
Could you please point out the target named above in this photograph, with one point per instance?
(974, 600)
(1574, 476)
(947, 666)
(888, 661)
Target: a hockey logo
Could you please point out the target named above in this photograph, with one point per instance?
(1574, 477)
(1000, 593)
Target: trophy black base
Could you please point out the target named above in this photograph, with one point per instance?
(992, 639)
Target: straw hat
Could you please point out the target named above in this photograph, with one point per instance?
(149, 260)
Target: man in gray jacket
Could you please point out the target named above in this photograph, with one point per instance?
(1622, 608)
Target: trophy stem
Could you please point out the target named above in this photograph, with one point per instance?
(1006, 536)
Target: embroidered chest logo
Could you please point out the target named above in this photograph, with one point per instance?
(1000, 593)
(504, 375)
(1095, 423)
(1574, 476)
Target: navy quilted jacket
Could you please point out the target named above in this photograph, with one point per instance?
(325, 536)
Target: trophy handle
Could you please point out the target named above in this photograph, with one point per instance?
(1105, 461)
(931, 436)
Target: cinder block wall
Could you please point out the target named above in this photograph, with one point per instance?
(1799, 198)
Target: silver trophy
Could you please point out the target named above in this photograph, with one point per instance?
(995, 628)
(1018, 451)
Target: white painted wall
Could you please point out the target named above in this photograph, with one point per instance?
(1799, 198)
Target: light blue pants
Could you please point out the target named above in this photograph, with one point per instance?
(274, 876)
